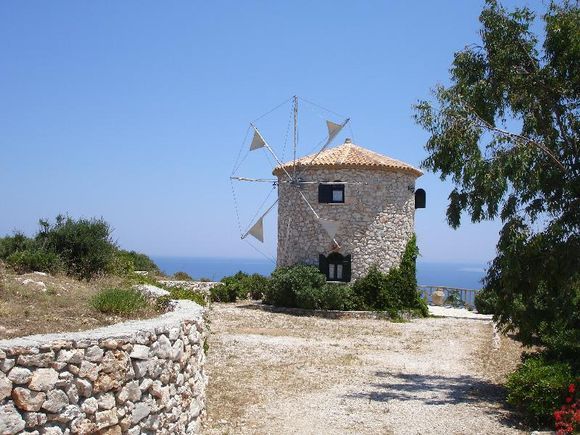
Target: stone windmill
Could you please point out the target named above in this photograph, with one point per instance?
(342, 209)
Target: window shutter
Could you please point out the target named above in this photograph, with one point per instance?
(324, 193)
(323, 265)
(420, 198)
(346, 268)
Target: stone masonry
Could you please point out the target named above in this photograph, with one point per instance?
(375, 221)
(138, 377)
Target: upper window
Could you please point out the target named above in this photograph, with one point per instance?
(420, 198)
(331, 193)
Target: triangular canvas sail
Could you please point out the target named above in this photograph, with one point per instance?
(331, 227)
(333, 129)
(257, 230)
(257, 141)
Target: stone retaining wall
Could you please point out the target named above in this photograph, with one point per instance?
(136, 377)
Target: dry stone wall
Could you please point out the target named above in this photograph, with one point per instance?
(376, 219)
(139, 377)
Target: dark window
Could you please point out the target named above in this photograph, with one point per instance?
(336, 267)
(331, 193)
(420, 198)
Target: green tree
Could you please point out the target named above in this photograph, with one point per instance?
(506, 131)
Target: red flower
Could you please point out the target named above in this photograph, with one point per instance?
(571, 388)
(568, 399)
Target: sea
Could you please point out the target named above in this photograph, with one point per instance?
(459, 275)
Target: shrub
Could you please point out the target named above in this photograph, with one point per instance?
(140, 261)
(337, 297)
(240, 286)
(567, 418)
(537, 387)
(118, 301)
(84, 245)
(294, 286)
(34, 260)
(485, 301)
(120, 264)
(182, 276)
(223, 293)
(11, 244)
(181, 293)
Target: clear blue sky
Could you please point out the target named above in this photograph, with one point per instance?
(135, 110)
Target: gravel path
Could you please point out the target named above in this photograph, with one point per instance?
(281, 374)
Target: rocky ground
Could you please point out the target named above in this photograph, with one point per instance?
(277, 373)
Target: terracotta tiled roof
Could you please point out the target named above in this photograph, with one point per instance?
(349, 155)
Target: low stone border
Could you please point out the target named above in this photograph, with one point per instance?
(136, 377)
(328, 314)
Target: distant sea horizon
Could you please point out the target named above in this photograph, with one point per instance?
(451, 274)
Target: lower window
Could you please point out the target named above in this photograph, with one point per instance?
(335, 266)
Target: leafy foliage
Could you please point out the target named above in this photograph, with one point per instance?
(118, 301)
(527, 177)
(139, 261)
(240, 286)
(485, 301)
(305, 287)
(32, 260)
(537, 388)
(84, 245)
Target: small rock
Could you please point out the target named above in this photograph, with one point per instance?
(140, 411)
(140, 352)
(10, 420)
(43, 379)
(89, 370)
(90, 406)
(106, 401)
(34, 419)
(113, 430)
(5, 388)
(162, 347)
(19, 375)
(52, 430)
(6, 364)
(73, 393)
(84, 387)
(94, 354)
(130, 391)
(55, 401)
(73, 356)
(106, 418)
(36, 360)
(27, 400)
(140, 368)
(82, 425)
(69, 413)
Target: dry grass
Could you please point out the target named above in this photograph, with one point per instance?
(61, 305)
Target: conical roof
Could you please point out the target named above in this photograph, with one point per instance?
(348, 155)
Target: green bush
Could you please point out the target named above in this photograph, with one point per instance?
(223, 293)
(35, 260)
(11, 244)
(295, 286)
(537, 388)
(182, 293)
(485, 301)
(240, 286)
(182, 276)
(118, 301)
(84, 245)
(120, 264)
(140, 261)
(396, 290)
(337, 297)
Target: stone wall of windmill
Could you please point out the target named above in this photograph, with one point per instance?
(376, 219)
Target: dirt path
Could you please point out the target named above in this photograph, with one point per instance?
(281, 374)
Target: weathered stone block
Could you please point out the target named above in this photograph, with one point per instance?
(11, 422)
(28, 400)
(43, 379)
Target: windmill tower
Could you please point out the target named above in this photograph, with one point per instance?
(342, 209)
(352, 208)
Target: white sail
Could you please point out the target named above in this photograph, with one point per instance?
(333, 129)
(257, 141)
(257, 230)
(331, 227)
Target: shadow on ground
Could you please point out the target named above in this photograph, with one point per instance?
(434, 389)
